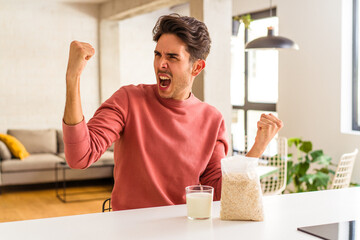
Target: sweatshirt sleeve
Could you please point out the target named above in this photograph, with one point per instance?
(85, 143)
(212, 174)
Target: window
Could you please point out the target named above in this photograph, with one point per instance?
(356, 99)
(254, 80)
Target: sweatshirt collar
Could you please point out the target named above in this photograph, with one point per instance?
(173, 102)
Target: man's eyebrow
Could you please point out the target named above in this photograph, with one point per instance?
(167, 54)
(172, 54)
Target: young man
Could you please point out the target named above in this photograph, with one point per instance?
(165, 138)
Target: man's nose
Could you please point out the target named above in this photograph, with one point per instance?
(163, 63)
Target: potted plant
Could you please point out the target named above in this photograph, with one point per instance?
(245, 19)
(308, 170)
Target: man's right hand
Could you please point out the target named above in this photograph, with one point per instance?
(80, 53)
(268, 127)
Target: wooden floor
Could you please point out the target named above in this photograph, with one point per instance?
(33, 202)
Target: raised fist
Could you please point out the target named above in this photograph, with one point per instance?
(268, 126)
(80, 53)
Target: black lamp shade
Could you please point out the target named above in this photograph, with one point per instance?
(271, 42)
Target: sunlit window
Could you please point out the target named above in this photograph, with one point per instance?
(356, 67)
(263, 65)
(254, 81)
(237, 68)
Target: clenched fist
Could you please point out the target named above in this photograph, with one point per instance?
(268, 126)
(80, 53)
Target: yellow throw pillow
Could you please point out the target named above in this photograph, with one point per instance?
(15, 146)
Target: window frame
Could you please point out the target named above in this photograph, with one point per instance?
(355, 74)
(257, 106)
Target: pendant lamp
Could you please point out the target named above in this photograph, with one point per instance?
(271, 41)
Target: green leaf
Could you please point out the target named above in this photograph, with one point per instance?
(322, 178)
(312, 188)
(295, 141)
(315, 181)
(301, 168)
(288, 180)
(352, 184)
(306, 146)
(323, 170)
(316, 153)
(309, 178)
(297, 184)
(297, 169)
(312, 185)
(323, 159)
(290, 172)
(246, 19)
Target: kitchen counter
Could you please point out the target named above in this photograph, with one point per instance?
(283, 215)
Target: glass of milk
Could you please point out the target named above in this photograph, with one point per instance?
(199, 201)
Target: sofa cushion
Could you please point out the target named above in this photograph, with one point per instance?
(60, 141)
(15, 146)
(33, 162)
(106, 158)
(62, 155)
(4, 151)
(111, 148)
(36, 141)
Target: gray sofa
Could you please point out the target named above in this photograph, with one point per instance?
(46, 149)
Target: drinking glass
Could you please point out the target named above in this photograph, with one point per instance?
(199, 201)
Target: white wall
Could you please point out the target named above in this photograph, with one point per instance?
(34, 47)
(137, 47)
(248, 6)
(217, 17)
(311, 79)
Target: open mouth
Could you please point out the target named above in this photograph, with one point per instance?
(164, 82)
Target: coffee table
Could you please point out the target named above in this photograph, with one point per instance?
(62, 167)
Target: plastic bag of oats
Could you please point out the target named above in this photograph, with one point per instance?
(241, 196)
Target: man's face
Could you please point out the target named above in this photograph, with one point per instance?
(173, 68)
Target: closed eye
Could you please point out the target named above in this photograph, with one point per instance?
(157, 53)
(172, 55)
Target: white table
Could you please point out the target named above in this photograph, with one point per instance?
(283, 214)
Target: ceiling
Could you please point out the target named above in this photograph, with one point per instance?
(64, 1)
(83, 1)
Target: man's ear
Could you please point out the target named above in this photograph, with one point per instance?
(198, 66)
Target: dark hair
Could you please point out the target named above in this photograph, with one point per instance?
(191, 31)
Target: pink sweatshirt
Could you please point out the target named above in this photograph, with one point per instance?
(161, 146)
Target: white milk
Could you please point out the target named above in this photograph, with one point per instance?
(199, 205)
